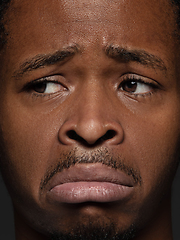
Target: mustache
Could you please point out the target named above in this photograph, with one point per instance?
(103, 156)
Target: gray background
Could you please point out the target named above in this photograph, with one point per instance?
(6, 215)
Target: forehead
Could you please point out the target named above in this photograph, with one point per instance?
(36, 27)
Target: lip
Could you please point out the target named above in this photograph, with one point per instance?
(89, 183)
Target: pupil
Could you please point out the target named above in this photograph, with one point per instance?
(130, 86)
(40, 87)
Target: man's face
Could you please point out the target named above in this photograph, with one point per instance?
(90, 112)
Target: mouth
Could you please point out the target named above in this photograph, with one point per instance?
(90, 183)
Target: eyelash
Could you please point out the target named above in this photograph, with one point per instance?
(138, 79)
(127, 78)
(30, 85)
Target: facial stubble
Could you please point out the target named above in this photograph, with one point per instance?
(92, 229)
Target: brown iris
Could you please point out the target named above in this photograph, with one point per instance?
(40, 87)
(129, 86)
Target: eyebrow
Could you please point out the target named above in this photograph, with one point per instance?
(140, 56)
(42, 60)
(115, 52)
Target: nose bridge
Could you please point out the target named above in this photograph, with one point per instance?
(90, 122)
(91, 119)
(92, 105)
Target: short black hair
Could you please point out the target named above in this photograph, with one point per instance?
(4, 4)
(177, 12)
(3, 7)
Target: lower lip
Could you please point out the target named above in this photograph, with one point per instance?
(79, 192)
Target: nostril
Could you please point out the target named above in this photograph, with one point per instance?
(73, 135)
(108, 135)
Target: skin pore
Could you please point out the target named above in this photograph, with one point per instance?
(90, 92)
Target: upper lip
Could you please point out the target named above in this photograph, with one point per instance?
(91, 172)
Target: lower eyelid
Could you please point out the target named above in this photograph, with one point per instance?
(49, 96)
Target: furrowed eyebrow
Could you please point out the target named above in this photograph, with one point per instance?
(139, 56)
(42, 60)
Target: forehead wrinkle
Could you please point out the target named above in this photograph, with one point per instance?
(121, 54)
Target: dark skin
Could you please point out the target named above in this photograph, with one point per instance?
(113, 91)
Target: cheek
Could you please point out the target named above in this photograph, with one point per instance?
(154, 143)
(28, 146)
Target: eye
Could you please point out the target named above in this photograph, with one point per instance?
(45, 86)
(137, 85)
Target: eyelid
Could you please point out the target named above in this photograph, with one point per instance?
(130, 77)
(140, 79)
(47, 79)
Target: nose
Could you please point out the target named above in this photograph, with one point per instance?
(91, 127)
(90, 132)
